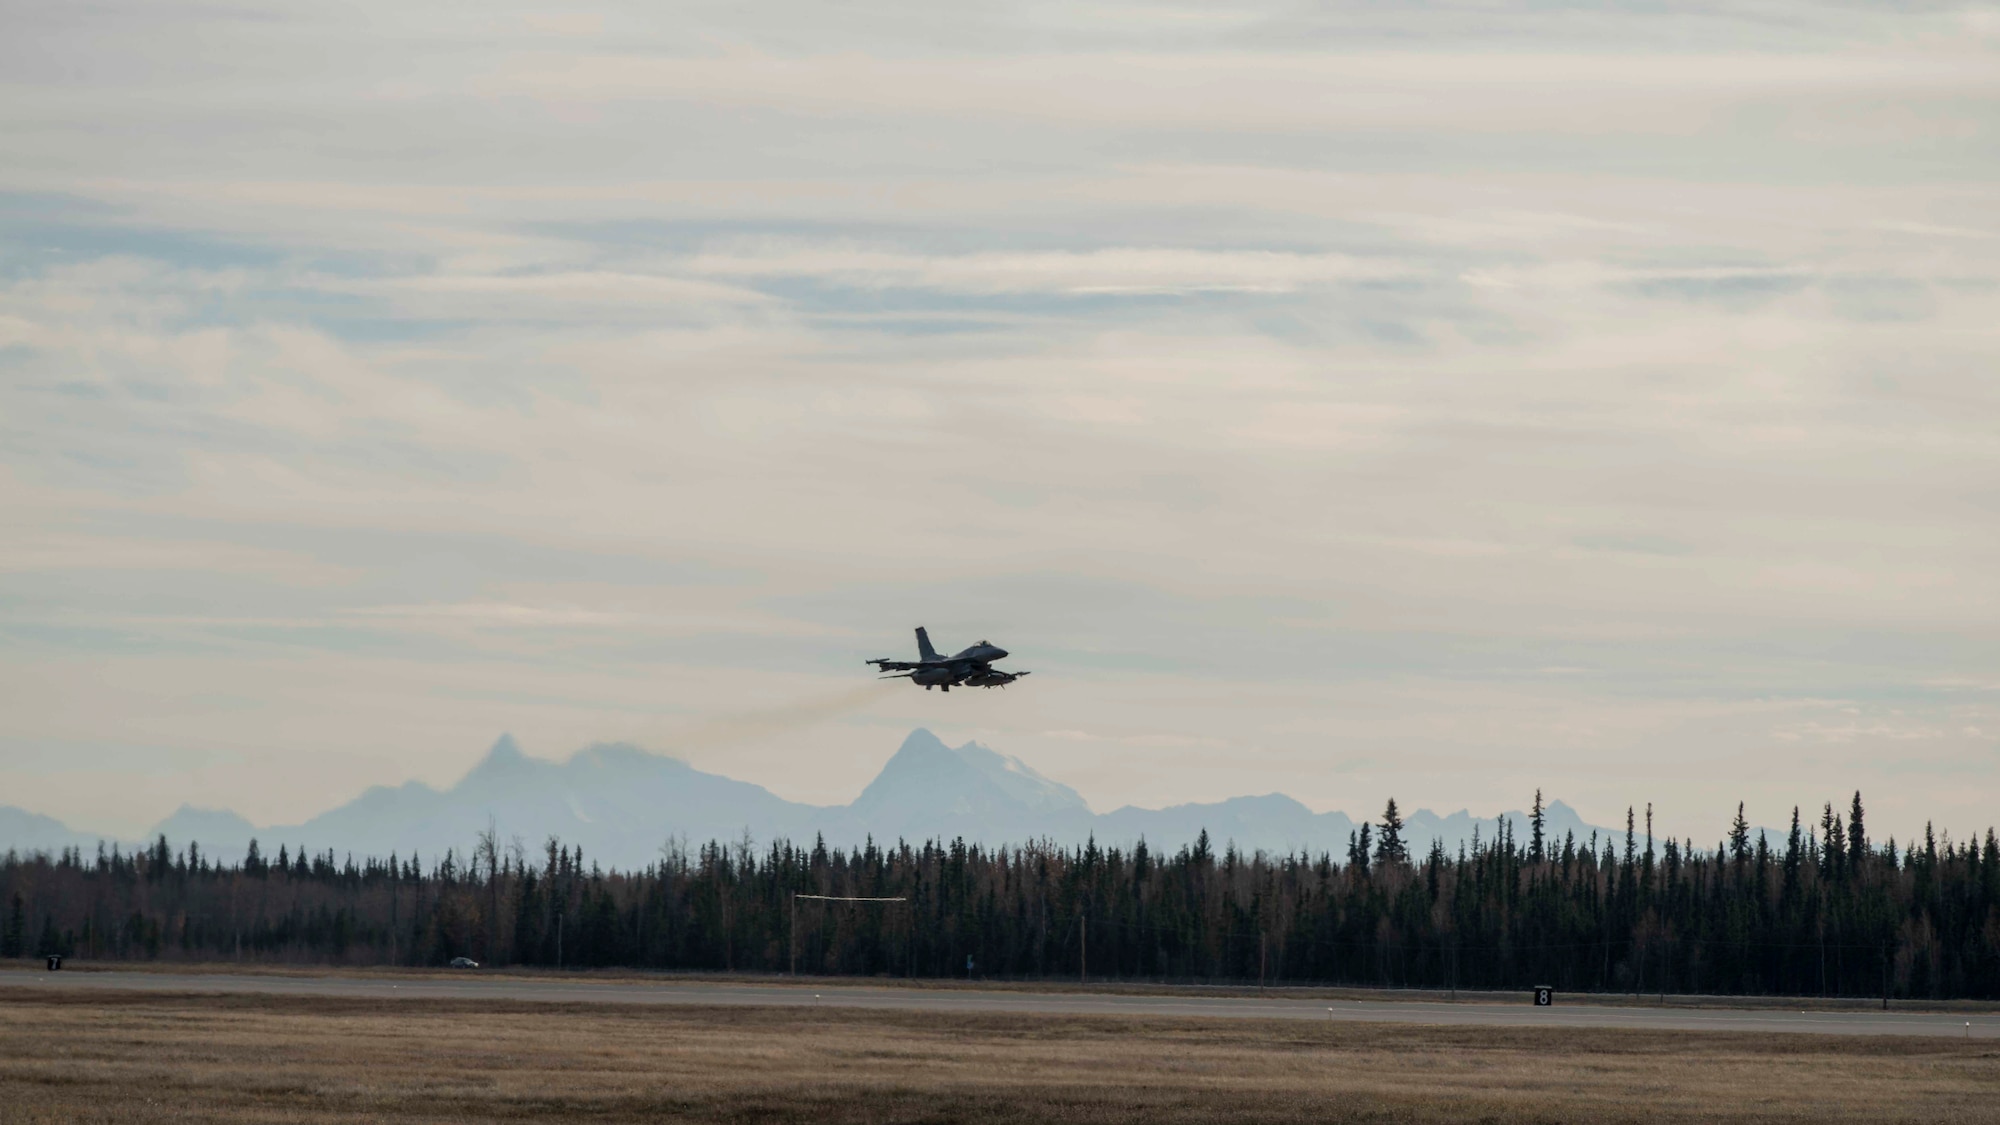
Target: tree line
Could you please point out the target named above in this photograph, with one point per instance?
(1822, 911)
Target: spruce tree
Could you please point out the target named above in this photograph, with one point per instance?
(1833, 859)
(1857, 839)
(1739, 838)
(1536, 820)
(1389, 845)
(1794, 857)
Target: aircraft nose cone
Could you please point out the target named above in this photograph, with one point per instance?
(999, 654)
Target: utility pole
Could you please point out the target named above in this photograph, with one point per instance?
(794, 934)
(1083, 949)
(1262, 948)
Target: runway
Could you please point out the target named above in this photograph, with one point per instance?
(967, 1000)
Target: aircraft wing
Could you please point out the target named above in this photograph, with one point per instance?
(886, 665)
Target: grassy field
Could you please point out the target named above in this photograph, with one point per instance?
(127, 1057)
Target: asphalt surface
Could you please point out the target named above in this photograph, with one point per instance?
(474, 988)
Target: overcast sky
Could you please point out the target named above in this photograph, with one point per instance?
(1348, 400)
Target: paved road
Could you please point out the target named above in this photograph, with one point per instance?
(1986, 1026)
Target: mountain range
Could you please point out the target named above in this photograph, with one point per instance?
(622, 804)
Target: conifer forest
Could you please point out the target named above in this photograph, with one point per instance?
(1823, 910)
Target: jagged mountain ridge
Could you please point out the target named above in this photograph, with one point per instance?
(621, 804)
(32, 832)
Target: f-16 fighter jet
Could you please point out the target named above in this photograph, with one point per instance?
(972, 667)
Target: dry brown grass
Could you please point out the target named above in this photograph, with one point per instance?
(131, 1057)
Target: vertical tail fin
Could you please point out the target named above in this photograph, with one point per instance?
(924, 649)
